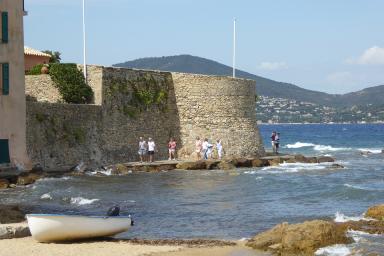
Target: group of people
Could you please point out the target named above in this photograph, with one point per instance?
(204, 148)
(147, 149)
(275, 140)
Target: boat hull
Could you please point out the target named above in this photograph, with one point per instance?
(52, 228)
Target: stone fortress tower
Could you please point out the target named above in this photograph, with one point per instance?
(130, 103)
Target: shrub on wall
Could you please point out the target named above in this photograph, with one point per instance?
(71, 83)
(36, 70)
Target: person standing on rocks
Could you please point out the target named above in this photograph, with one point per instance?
(277, 142)
(151, 149)
(172, 149)
(273, 139)
(205, 149)
(198, 147)
(142, 149)
(219, 148)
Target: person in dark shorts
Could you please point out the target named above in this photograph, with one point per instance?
(151, 149)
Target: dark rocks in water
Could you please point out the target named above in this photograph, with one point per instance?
(27, 178)
(4, 183)
(325, 159)
(337, 166)
(192, 165)
(242, 162)
(37, 168)
(114, 211)
(211, 164)
(11, 214)
(226, 165)
(259, 162)
(300, 159)
(81, 167)
(299, 239)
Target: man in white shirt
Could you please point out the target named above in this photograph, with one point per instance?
(151, 149)
(205, 149)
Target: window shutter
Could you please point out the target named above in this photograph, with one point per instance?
(4, 27)
(5, 71)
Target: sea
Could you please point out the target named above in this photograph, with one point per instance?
(218, 204)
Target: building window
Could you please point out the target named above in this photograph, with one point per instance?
(4, 78)
(4, 152)
(4, 27)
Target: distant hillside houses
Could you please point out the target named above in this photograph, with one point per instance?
(280, 110)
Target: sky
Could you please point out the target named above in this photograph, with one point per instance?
(334, 46)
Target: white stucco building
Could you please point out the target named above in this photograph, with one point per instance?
(12, 85)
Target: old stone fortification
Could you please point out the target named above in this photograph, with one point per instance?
(132, 103)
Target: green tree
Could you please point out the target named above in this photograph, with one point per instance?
(55, 56)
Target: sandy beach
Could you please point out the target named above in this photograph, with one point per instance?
(28, 246)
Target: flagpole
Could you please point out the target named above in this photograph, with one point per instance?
(84, 45)
(234, 49)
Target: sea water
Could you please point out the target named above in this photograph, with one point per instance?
(236, 204)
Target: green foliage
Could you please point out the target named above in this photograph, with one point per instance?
(36, 70)
(71, 83)
(40, 117)
(55, 56)
(138, 95)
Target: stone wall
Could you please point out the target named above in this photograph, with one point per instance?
(133, 103)
(41, 88)
(63, 134)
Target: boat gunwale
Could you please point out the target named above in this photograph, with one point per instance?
(83, 216)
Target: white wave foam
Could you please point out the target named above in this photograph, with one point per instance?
(259, 178)
(53, 179)
(300, 145)
(316, 147)
(340, 217)
(334, 250)
(329, 148)
(46, 196)
(82, 201)
(250, 172)
(371, 150)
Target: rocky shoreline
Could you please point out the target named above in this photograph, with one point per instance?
(12, 178)
(307, 237)
(284, 239)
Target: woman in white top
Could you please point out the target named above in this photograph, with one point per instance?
(151, 149)
(142, 149)
(219, 148)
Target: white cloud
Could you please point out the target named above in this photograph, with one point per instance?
(371, 56)
(273, 65)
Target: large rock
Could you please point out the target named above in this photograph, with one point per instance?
(259, 162)
(211, 164)
(300, 159)
(325, 159)
(300, 239)
(120, 169)
(27, 178)
(242, 162)
(376, 212)
(11, 214)
(16, 230)
(4, 183)
(268, 238)
(226, 165)
(195, 165)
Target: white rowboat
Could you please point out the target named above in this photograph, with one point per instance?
(52, 228)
